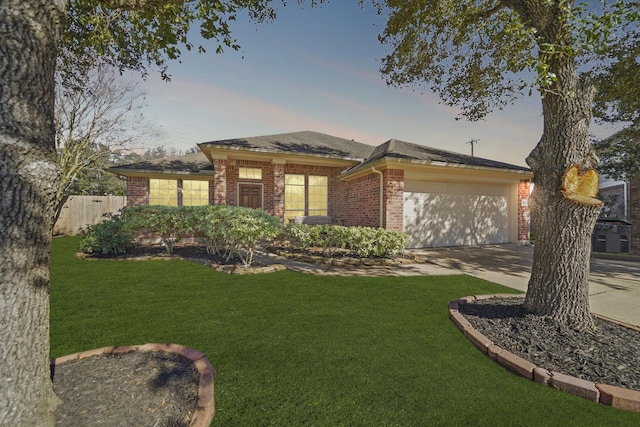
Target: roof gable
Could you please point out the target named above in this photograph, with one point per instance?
(303, 143)
(420, 154)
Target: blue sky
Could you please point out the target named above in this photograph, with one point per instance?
(318, 69)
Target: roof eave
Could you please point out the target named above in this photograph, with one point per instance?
(213, 152)
(388, 162)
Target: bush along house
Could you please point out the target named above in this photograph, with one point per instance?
(437, 197)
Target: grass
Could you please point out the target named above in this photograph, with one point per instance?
(298, 350)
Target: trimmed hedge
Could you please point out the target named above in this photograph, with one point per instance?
(229, 232)
(364, 242)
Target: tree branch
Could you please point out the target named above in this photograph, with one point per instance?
(138, 4)
(486, 14)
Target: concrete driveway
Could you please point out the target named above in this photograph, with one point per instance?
(614, 285)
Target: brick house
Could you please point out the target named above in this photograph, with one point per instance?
(622, 201)
(438, 198)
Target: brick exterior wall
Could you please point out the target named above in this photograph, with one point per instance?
(360, 201)
(634, 215)
(278, 190)
(219, 196)
(524, 214)
(393, 199)
(137, 191)
(226, 188)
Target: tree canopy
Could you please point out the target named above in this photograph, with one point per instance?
(481, 55)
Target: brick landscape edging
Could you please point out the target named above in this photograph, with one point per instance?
(203, 414)
(617, 397)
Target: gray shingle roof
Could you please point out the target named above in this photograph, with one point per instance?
(305, 143)
(421, 154)
(313, 144)
(188, 163)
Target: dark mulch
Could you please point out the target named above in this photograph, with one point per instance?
(139, 388)
(609, 355)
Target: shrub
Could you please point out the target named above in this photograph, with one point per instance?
(245, 227)
(233, 231)
(205, 222)
(359, 241)
(110, 237)
(168, 222)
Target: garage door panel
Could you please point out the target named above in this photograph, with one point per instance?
(437, 219)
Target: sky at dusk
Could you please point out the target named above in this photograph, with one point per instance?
(318, 69)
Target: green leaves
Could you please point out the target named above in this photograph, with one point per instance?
(230, 231)
(471, 54)
(362, 242)
(136, 35)
(482, 55)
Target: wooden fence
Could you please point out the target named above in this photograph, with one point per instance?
(79, 211)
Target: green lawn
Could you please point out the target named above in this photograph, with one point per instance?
(298, 350)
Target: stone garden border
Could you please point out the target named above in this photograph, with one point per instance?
(614, 396)
(203, 414)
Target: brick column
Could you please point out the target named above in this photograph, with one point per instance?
(219, 181)
(278, 189)
(633, 204)
(393, 199)
(524, 213)
(137, 190)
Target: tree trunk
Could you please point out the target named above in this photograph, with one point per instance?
(28, 180)
(559, 284)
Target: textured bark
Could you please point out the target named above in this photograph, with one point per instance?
(559, 284)
(28, 178)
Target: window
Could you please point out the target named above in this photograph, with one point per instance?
(163, 192)
(293, 196)
(195, 193)
(305, 195)
(250, 173)
(318, 189)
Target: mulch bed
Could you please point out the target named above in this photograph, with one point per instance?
(138, 388)
(609, 355)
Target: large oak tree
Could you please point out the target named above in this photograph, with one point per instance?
(482, 54)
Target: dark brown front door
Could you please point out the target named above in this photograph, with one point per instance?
(250, 196)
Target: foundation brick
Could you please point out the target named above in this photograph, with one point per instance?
(68, 358)
(459, 320)
(96, 352)
(516, 364)
(620, 398)
(483, 343)
(541, 376)
(204, 367)
(493, 351)
(576, 386)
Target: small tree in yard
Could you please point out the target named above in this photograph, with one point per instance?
(94, 117)
(478, 54)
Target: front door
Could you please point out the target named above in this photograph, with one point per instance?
(250, 196)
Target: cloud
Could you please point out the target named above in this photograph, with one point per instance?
(211, 106)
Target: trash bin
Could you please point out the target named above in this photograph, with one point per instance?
(611, 235)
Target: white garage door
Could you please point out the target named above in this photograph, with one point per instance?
(445, 214)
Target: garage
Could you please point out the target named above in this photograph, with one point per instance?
(437, 214)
